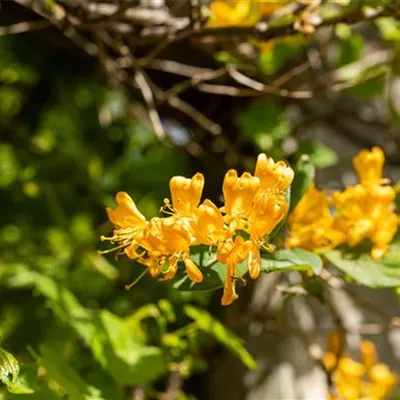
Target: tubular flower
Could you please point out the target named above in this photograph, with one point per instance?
(129, 222)
(168, 239)
(266, 212)
(369, 165)
(367, 212)
(231, 252)
(273, 175)
(368, 380)
(208, 224)
(253, 208)
(239, 193)
(364, 211)
(232, 12)
(186, 193)
(311, 223)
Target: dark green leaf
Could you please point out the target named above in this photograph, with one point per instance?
(304, 173)
(214, 273)
(210, 325)
(61, 371)
(265, 122)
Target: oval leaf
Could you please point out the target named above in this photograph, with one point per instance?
(360, 266)
(293, 260)
(214, 273)
(8, 366)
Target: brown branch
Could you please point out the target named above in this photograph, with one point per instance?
(22, 27)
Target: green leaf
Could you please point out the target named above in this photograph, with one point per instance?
(265, 122)
(26, 382)
(214, 273)
(61, 371)
(293, 260)
(8, 165)
(320, 155)
(210, 325)
(362, 268)
(304, 173)
(107, 336)
(389, 28)
(8, 366)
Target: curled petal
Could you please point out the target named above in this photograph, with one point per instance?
(193, 271)
(254, 261)
(126, 214)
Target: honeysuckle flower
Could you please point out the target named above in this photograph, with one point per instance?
(365, 380)
(267, 211)
(208, 224)
(311, 223)
(186, 193)
(238, 229)
(239, 194)
(232, 12)
(273, 175)
(367, 212)
(169, 239)
(231, 252)
(369, 165)
(129, 223)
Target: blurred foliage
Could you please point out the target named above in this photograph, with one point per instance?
(68, 144)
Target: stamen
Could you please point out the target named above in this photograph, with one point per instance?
(129, 287)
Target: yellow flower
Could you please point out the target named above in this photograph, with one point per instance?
(208, 224)
(186, 193)
(239, 193)
(368, 380)
(369, 165)
(231, 252)
(273, 175)
(368, 353)
(129, 224)
(169, 239)
(367, 212)
(311, 223)
(232, 12)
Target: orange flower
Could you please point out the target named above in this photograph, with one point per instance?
(231, 252)
(273, 175)
(129, 223)
(186, 193)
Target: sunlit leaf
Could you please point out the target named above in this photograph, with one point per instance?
(8, 366)
(26, 381)
(362, 268)
(304, 173)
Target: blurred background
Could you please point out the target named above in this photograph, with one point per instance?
(95, 98)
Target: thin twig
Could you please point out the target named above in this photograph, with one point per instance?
(22, 27)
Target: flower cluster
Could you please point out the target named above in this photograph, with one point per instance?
(367, 379)
(253, 206)
(240, 12)
(364, 211)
